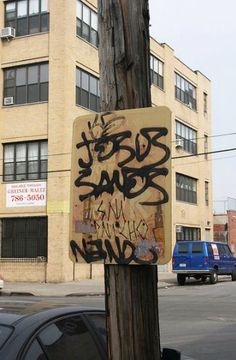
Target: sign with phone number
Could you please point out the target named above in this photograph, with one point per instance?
(26, 194)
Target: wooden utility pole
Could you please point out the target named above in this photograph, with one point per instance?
(131, 290)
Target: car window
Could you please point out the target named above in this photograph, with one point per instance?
(227, 250)
(5, 332)
(35, 352)
(182, 248)
(197, 248)
(209, 249)
(99, 322)
(69, 339)
(221, 249)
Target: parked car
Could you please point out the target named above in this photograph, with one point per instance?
(1, 283)
(39, 331)
(202, 260)
(56, 334)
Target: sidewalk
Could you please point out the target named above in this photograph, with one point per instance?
(74, 288)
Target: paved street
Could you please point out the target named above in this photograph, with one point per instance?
(197, 319)
(200, 320)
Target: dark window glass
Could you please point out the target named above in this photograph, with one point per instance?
(221, 249)
(24, 237)
(35, 352)
(197, 248)
(25, 161)
(87, 90)
(206, 147)
(99, 322)
(27, 84)
(227, 250)
(186, 137)
(206, 193)
(185, 91)
(5, 332)
(27, 16)
(205, 103)
(186, 189)
(156, 68)
(69, 339)
(22, 28)
(34, 24)
(182, 248)
(86, 23)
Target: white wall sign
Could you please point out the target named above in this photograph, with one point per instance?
(26, 194)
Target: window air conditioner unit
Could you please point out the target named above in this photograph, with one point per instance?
(179, 143)
(178, 228)
(8, 100)
(7, 32)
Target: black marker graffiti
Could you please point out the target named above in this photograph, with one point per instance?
(119, 256)
(130, 181)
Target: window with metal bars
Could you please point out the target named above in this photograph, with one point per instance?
(86, 23)
(185, 92)
(188, 233)
(26, 84)
(186, 189)
(156, 69)
(188, 136)
(87, 90)
(27, 16)
(25, 161)
(206, 193)
(24, 237)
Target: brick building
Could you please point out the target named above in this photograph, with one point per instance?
(49, 76)
(225, 228)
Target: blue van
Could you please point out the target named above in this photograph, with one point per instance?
(202, 260)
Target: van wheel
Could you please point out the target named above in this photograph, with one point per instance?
(214, 277)
(181, 279)
(233, 276)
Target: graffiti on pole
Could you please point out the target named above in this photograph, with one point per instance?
(120, 187)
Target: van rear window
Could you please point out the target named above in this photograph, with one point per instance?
(182, 248)
(197, 248)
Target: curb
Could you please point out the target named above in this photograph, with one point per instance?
(52, 292)
(16, 293)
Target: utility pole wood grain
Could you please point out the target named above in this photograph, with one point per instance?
(130, 290)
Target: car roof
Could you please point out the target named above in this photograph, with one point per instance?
(200, 241)
(41, 312)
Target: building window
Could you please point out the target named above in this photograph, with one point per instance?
(186, 189)
(187, 233)
(156, 67)
(24, 237)
(185, 91)
(87, 90)
(25, 161)
(205, 102)
(86, 23)
(27, 16)
(187, 136)
(26, 84)
(206, 193)
(206, 147)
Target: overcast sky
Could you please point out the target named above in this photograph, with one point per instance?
(202, 34)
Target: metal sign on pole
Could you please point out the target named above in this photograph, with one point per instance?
(121, 185)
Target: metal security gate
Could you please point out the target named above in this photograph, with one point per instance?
(24, 237)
